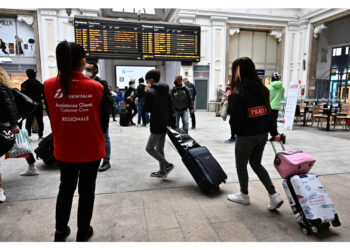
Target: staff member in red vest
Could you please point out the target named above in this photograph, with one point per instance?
(74, 102)
(249, 109)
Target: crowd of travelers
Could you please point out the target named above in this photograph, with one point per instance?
(82, 145)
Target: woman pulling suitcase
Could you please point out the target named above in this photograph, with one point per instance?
(249, 109)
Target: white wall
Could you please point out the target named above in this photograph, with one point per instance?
(337, 33)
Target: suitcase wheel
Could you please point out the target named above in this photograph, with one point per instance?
(315, 229)
(306, 230)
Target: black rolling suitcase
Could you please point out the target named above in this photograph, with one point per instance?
(44, 150)
(203, 167)
(124, 118)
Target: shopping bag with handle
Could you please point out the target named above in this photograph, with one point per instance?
(22, 147)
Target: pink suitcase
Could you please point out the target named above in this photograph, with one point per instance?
(292, 162)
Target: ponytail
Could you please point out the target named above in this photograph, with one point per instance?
(68, 57)
(64, 65)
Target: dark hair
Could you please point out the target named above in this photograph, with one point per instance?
(153, 74)
(95, 66)
(141, 80)
(68, 57)
(131, 82)
(247, 69)
(31, 73)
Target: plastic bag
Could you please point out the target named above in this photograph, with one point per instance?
(223, 110)
(22, 147)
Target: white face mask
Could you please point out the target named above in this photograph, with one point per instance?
(88, 74)
(149, 85)
(133, 85)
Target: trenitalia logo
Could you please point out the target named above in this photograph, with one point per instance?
(59, 94)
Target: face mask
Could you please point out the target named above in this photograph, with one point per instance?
(149, 85)
(175, 82)
(88, 74)
(132, 86)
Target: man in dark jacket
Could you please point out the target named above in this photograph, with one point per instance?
(34, 89)
(140, 97)
(158, 102)
(91, 72)
(129, 99)
(192, 89)
(182, 102)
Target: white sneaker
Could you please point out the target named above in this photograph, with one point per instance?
(2, 195)
(30, 172)
(239, 198)
(275, 202)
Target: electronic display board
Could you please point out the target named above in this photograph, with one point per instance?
(105, 38)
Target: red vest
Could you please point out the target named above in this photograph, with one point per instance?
(75, 121)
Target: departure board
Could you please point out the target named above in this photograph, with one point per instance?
(105, 38)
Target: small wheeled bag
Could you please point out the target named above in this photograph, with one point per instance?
(310, 203)
(292, 162)
(44, 150)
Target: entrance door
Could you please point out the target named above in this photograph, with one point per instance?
(201, 81)
(202, 94)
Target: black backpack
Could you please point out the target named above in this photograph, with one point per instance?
(44, 150)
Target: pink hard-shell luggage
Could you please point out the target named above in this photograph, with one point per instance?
(292, 162)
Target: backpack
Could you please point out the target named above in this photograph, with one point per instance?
(180, 99)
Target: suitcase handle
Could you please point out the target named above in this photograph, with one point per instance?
(273, 146)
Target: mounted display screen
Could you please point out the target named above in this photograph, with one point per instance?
(103, 38)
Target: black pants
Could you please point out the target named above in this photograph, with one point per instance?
(114, 111)
(132, 107)
(251, 148)
(274, 116)
(193, 119)
(86, 172)
(38, 113)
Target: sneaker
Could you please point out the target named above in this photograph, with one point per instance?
(158, 174)
(283, 138)
(2, 195)
(275, 202)
(62, 236)
(132, 124)
(193, 127)
(239, 198)
(104, 166)
(168, 169)
(230, 140)
(85, 236)
(30, 172)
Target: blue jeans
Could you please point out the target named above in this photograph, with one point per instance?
(118, 103)
(107, 146)
(141, 114)
(184, 118)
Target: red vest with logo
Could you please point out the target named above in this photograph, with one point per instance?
(75, 121)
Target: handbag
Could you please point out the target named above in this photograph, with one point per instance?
(7, 139)
(25, 105)
(223, 110)
(22, 146)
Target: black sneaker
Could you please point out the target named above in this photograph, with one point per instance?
(168, 169)
(62, 236)
(158, 174)
(283, 138)
(81, 237)
(104, 166)
(132, 124)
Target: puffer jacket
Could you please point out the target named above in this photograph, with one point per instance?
(248, 112)
(158, 102)
(8, 109)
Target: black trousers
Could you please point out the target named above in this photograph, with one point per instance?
(86, 173)
(274, 116)
(250, 149)
(38, 113)
(132, 107)
(193, 119)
